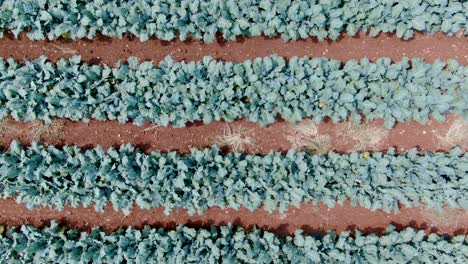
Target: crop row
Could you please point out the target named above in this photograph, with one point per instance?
(57, 244)
(169, 19)
(47, 176)
(260, 90)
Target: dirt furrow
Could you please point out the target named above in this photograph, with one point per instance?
(310, 218)
(110, 50)
(244, 136)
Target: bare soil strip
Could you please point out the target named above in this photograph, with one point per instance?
(110, 50)
(310, 218)
(243, 136)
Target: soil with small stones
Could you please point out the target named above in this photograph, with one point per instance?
(312, 219)
(110, 50)
(276, 137)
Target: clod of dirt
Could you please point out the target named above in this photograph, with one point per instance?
(364, 136)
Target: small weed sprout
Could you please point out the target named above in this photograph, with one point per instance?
(237, 139)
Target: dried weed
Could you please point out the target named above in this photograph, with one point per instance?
(456, 135)
(237, 139)
(305, 137)
(63, 50)
(7, 128)
(445, 217)
(364, 136)
(54, 131)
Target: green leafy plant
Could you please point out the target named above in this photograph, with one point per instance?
(169, 19)
(225, 245)
(209, 90)
(47, 176)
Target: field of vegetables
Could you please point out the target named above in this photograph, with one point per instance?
(243, 131)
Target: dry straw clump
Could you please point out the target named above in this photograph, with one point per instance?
(237, 139)
(7, 128)
(456, 135)
(54, 131)
(33, 131)
(364, 136)
(305, 136)
(60, 49)
(446, 217)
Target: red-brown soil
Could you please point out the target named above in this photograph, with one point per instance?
(110, 50)
(275, 137)
(310, 218)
